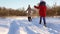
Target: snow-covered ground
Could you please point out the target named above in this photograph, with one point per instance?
(20, 25)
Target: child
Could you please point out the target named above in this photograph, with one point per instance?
(29, 13)
(42, 11)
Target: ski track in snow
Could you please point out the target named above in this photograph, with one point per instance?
(21, 25)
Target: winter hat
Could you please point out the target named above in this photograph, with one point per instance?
(42, 2)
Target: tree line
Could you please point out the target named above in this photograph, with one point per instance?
(11, 12)
(54, 11)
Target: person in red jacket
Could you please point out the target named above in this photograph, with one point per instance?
(42, 11)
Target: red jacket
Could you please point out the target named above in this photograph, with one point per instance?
(42, 10)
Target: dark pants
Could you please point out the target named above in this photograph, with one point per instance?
(29, 19)
(43, 20)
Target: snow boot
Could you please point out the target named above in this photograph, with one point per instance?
(45, 25)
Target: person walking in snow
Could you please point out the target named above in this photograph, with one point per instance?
(29, 13)
(42, 11)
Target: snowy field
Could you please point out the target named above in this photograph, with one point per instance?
(20, 25)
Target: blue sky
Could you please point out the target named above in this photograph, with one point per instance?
(15, 4)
